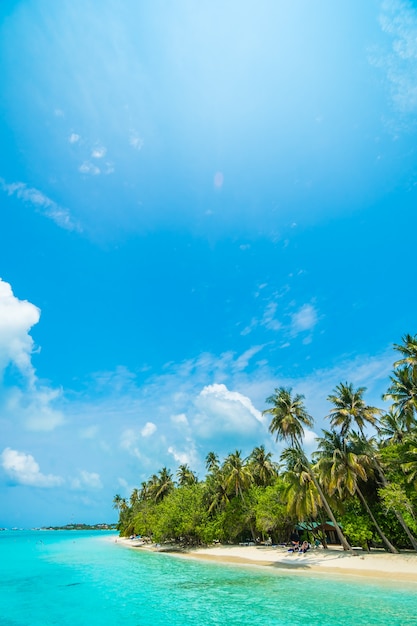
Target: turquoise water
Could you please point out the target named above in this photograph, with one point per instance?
(82, 578)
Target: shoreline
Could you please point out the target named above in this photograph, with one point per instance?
(378, 565)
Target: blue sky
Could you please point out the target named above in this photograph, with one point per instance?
(200, 202)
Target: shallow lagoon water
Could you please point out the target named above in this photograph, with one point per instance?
(82, 578)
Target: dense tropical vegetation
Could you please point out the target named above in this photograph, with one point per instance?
(362, 478)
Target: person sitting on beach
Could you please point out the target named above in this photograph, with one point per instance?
(304, 547)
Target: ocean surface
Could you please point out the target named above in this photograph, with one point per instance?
(84, 578)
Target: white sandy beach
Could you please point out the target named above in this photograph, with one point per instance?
(377, 564)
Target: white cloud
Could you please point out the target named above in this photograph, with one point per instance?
(74, 138)
(183, 456)
(87, 480)
(16, 319)
(99, 152)
(221, 410)
(24, 470)
(89, 168)
(34, 405)
(304, 319)
(148, 430)
(42, 203)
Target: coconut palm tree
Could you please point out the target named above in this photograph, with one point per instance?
(349, 409)
(409, 351)
(119, 503)
(289, 416)
(303, 499)
(341, 469)
(403, 393)
(186, 476)
(263, 469)
(237, 473)
(212, 462)
(368, 447)
(391, 427)
(164, 484)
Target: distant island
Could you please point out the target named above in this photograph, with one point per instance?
(81, 527)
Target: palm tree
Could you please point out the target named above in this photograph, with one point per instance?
(212, 462)
(134, 497)
(186, 476)
(341, 469)
(408, 350)
(367, 447)
(303, 499)
(119, 503)
(289, 416)
(164, 484)
(391, 427)
(350, 408)
(264, 470)
(403, 392)
(237, 473)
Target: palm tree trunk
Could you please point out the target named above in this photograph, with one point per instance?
(337, 528)
(398, 515)
(388, 544)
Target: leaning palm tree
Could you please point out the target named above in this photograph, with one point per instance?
(349, 409)
(341, 469)
(289, 416)
(303, 499)
(368, 447)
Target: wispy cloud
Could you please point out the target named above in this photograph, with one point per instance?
(304, 319)
(136, 140)
(86, 480)
(398, 20)
(74, 138)
(99, 152)
(41, 203)
(89, 168)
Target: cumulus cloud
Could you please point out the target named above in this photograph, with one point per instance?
(16, 319)
(87, 480)
(24, 470)
(148, 430)
(221, 410)
(41, 203)
(34, 405)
